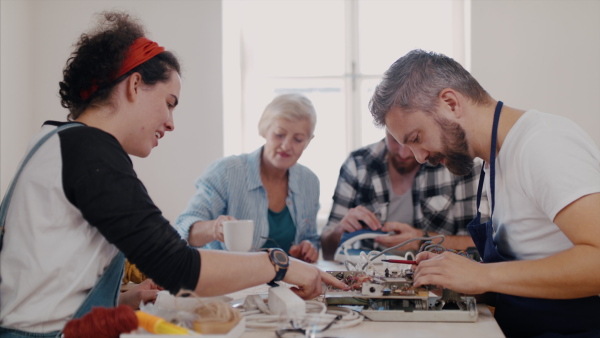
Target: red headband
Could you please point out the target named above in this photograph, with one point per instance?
(142, 50)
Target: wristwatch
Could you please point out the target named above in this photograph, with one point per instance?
(280, 261)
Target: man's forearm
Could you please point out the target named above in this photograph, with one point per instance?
(455, 242)
(330, 239)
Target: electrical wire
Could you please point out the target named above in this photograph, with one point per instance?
(317, 315)
(425, 248)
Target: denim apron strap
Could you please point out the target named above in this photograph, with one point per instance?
(104, 293)
(12, 333)
(11, 188)
(482, 233)
(477, 232)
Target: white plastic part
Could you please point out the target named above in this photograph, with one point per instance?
(283, 301)
(371, 289)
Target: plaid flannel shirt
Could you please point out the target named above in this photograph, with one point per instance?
(443, 203)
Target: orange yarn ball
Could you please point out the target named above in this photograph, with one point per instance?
(102, 322)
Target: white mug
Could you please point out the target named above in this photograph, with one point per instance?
(238, 235)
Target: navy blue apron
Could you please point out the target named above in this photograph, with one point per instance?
(105, 292)
(524, 316)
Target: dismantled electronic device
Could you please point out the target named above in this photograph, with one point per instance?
(390, 296)
(346, 250)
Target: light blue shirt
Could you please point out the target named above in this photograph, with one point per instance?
(232, 186)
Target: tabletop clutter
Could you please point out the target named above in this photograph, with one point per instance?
(220, 317)
(189, 315)
(168, 316)
(280, 310)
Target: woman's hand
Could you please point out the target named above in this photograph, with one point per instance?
(309, 279)
(140, 293)
(305, 251)
(203, 232)
(217, 227)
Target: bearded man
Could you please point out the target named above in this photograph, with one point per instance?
(382, 188)
(541, 245)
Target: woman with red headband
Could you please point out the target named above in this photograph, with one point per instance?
(76, 208)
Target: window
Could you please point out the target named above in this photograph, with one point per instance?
(332, 51)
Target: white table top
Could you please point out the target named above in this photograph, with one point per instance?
(484, 326)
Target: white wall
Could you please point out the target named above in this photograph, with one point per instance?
(16, 77)
(541, 54)
(37, 38)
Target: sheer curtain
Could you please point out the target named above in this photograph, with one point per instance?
(332, 51)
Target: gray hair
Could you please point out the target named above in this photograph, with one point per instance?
(415, 80)
(292, 107)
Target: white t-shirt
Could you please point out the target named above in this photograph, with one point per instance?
(49, 273)
(77, 203)
(546, 162)
(401, 207)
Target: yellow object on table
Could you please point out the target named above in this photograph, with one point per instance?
(133, 274)
(157, 325)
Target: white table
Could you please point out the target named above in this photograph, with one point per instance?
(485, 326)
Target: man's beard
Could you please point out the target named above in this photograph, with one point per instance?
(402, 167)
(456, 148)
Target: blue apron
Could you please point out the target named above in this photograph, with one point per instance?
(105, 292)
(524, 316)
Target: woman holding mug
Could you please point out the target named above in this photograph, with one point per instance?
(267, 186)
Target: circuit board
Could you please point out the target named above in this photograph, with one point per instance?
(391, 296)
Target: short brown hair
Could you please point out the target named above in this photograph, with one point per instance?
(415, 80)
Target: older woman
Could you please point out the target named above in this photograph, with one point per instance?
(267, 186)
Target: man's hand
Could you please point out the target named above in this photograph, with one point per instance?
(450, 271)
(140, 293)
(305, 251)
(356, 217)
(402, 233)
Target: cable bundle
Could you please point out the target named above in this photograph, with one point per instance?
(428, 245)
(317, 314)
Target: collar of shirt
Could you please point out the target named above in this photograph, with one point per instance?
(255, 182)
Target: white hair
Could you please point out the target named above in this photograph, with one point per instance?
(292, 107)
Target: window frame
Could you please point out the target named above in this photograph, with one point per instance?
(353, 78)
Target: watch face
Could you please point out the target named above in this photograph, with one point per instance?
(281, 257)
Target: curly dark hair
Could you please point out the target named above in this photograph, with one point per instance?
(99, 55)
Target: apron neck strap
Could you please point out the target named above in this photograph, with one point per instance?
(493, 153)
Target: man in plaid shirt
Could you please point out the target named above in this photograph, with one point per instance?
(382, 187)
